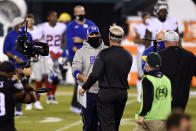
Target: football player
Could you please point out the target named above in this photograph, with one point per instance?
(36, 66)
(53, 34)
(161, 21)
(140, 30)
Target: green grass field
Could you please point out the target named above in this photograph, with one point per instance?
(60, 118)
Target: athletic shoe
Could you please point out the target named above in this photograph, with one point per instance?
(38, 105)
(18, 113)
(28, 107)
(75, 110)
(48, 101)
(138, 98)
(53, 100)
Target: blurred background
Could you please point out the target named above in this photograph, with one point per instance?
(103, 13)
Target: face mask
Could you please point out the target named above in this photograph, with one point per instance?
(80, 17)
(160, 45)
(94, 42)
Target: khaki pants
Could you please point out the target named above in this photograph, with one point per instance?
(151, 125)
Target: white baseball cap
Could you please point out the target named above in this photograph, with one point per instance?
(17, 21)
(171, 36)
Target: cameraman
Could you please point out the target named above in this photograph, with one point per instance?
(12, 90)
(9, 48)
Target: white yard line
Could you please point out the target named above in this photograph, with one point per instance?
(69, 126)
(131, 101)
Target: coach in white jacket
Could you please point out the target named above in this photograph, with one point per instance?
(82, 66)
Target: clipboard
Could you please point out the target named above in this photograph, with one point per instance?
(81, 99)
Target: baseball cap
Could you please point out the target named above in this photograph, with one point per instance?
(17, 21)
(92, 29)
(171, 36)
(7, 67)
(154, 60)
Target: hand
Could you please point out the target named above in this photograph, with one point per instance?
(15, 77)
(77, 40)
(84, 79)
(74, 49)
(27, 71)
(140, 120)
(19, 73)
(18, 60)
(81, 91)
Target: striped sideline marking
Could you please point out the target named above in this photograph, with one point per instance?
(123, 121)
(70, 126)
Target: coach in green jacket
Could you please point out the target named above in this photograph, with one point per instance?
(156, 97)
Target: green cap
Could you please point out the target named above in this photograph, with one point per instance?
(154, 60)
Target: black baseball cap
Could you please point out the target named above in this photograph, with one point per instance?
(154, 60)
(7, 67)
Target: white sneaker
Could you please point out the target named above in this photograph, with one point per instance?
(38, 105)
(75, 110)
(54, 102)
(48, 101)
(28, 107)
(139, 98)
(18, 113)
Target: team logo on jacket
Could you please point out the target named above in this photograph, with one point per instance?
(161, 93)
(92, 59)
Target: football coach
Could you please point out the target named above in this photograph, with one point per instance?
(111, 69)
(179, 65)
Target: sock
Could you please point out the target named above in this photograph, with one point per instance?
(54, 89)
(139, 86)
(38, 85)
(47, 85)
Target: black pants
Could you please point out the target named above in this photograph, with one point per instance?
(110, 107)
(89, 114)
(8, 126)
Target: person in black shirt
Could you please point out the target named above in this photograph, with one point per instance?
(12, 90)
(179, 65)
(111, 69)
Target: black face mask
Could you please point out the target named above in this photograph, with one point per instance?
(80, 17)
(94, 42)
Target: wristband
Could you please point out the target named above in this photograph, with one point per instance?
(75, 74)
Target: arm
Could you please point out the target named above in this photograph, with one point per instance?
(148, 92)
(69, 38)
(26, 96)
(148, 35)
(63, 42)
(194, 65)
(180, 44)
(24, 93)
(6, 50)
(77, 67)
(97, 71)
(137, 39)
